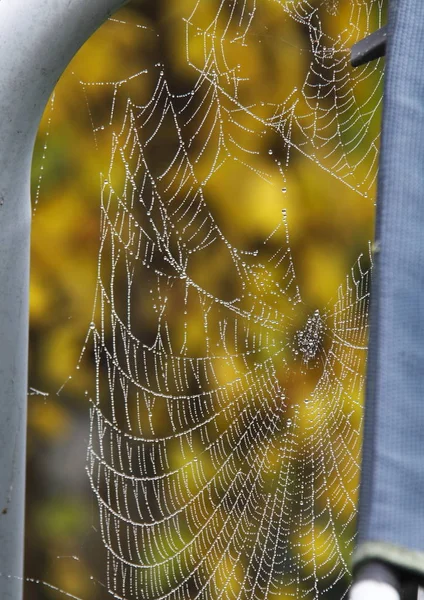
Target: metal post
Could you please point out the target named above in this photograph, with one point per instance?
(38, 38)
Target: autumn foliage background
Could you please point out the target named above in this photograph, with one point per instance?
(329, 224)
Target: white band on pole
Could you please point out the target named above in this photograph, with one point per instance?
(38, 38)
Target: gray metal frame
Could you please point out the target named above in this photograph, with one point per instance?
(38, 38)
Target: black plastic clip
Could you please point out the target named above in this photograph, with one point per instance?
(370, 48)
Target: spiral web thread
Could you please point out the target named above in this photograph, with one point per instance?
(224, 444)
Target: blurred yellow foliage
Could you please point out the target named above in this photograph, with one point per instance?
(329, 224)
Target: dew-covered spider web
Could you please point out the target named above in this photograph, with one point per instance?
(225, 425)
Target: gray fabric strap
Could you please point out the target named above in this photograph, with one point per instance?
(391, 507)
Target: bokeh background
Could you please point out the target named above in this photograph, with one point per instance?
(330, 222)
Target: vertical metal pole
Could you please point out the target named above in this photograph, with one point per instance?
(38, 38)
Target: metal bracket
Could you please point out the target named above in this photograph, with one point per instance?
(370, 48)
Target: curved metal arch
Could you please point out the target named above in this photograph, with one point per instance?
(38, 39)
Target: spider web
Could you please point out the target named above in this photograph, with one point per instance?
(224, 444)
